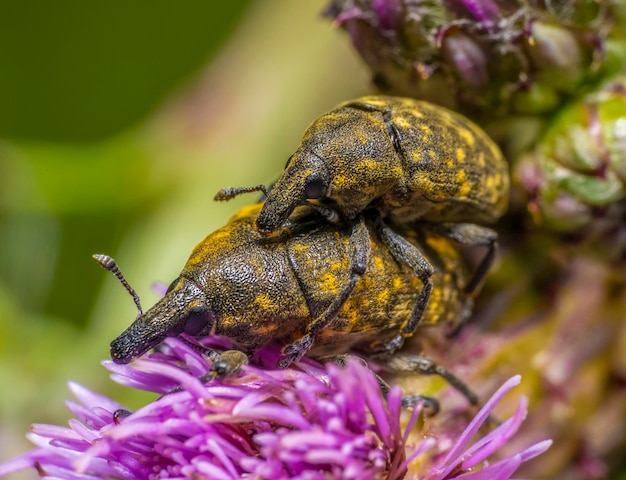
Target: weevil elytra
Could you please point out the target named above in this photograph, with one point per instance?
(254, 290)
(407, 160)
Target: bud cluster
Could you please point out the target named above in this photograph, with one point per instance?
(576, 176)
(485, 58)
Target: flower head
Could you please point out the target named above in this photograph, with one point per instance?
(310, 421)
(486, 58)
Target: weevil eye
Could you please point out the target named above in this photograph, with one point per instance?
(198, 319)
(314, 186)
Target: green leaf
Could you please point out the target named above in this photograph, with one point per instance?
(76, 70)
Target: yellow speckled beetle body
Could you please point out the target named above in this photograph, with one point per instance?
(407, 158)
(254, 290)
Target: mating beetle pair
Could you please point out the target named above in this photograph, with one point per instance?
(254, 290)
(344, 273)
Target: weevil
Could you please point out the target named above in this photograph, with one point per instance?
(254, 290)
(410, 159)
(407, 160)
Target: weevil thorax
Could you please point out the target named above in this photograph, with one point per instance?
(182, 309)
(248, 283)
(359, 154)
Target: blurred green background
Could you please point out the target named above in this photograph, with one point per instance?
(118, 123)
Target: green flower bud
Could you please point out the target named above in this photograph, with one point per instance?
(556, 54)
(577, 174)
(485, 57)
(589, 138)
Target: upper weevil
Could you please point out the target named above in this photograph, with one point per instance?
(407, 158)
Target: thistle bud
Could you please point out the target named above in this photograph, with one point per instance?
(483, 57)
(466, 58)
(556, 54)
(536, 99)
(577, 174)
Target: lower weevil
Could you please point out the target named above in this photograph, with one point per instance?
(289, 288)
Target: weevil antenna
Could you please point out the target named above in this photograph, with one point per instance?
(229, 193)
(109, 264)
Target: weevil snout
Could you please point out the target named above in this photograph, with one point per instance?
(305, 178)
(182, 310)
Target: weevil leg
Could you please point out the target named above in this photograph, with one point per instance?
(429, 404)
(224, 364)
(425, 366)
(408, 254)
(119, 414)
(470, 234)
(463, 317)
(206, 351)
(330, 215)
(358, 253)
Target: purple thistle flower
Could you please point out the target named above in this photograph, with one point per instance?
(310, 421)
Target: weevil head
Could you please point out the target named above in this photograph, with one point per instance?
(184, 309)
(346, 160)
(305, 178)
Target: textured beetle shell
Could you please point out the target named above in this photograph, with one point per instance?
(263, 290)
(254, 290)
(408, 158)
